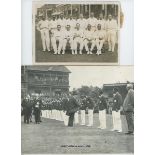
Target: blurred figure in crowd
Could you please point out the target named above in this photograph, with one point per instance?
(128, 107)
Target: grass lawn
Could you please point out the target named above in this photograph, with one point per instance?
(52, 136)
(107, 57)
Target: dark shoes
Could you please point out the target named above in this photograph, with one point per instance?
(129, 133)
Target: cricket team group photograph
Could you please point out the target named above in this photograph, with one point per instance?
(76, 97)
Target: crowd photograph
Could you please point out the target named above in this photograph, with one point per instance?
(76, 32)
(74, 109)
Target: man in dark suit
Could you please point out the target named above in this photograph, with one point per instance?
(27, 109)
(73, 107)
(37, 110)
(116, 108)
(128, 107)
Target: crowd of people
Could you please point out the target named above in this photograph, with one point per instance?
(91, 34)
(67, 108)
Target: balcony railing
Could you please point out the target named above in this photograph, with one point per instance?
(49, 82)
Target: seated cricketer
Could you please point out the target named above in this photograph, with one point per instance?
(78, 39)
(100, 37)
(68, 39)
(57, 38)
(89, 39)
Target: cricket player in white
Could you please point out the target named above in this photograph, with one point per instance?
(112, 29)
(70, 21)
(102, 21)
(92, 21)
(83, 22)
(89, 39)
(57, 38)
(43, 27)
(62, 22)
(68, 38)
(100, 38)
(52, 28)
(78, 39)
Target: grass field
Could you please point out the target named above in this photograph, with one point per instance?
(108, 57)
(52, 136)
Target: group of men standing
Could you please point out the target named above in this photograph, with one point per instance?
(31, 106)
(66, 108)
(59, 34)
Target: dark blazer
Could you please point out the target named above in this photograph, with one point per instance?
(117, 102)
(83, 104)
(102, 104)
(65, 104)
(90, 103)
(72, 105)
(128, 104)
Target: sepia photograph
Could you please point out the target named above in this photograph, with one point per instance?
(77, 109)
(76, 33)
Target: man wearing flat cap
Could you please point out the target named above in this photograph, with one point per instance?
(128, 107)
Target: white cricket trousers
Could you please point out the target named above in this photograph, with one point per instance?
(54, 40)
(75, 43)
(83, 115)
(86, 45)
(102, 118)
(117, 123)
(45, 113)
(99, 44)
(66, 118)
(45, 39)
(61, 115)
(76, 118)
(111, 39)
(52, 115)
(90, 117)
(65, 43)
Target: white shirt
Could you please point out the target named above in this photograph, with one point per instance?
(61, 22)
(68, 34)
(78, 33)
(52, 24)
(92, 21)
(103, 24)
(99, 34)
(111, 24)
(58, 34)
(43, 24)
(71, 22)
(83, 23)
(89, 34)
